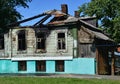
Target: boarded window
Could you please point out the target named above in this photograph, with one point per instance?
(41, 41)
(21, 40)
(59, 66)
(22, 66)
(87, 50)
(1, 42)
(40, 65)
(61, 41)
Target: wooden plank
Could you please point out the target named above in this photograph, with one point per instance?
(97, 62)
(113, 64)
(103, 62)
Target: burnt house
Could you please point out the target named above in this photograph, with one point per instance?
(65, 44)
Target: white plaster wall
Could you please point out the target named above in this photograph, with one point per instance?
(51, 44)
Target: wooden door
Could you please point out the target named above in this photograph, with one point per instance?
(103, 67)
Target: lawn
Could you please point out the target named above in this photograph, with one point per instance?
(41, 80)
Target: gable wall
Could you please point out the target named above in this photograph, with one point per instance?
(86, 46)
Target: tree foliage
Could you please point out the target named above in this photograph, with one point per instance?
(108, 12)
(8, 12)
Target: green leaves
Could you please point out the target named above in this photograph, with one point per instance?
(116, 29)
(8, 12)
(108, 12)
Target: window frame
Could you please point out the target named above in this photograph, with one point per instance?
(41, 66)
(41, 39)
(59, 65)
(22, 66)
(2, 42)
(61, 45)
(65, 33)
(21, 40)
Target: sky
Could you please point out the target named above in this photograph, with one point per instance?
(39, 6)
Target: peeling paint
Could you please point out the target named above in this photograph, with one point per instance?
(51, 40)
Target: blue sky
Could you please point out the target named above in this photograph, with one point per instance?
(39, 6)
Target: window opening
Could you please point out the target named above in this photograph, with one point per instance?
(21, 40)
(40, 65)
(1, 42)
(61, 41)
(22, 66)
(41, 41)
(60, 65)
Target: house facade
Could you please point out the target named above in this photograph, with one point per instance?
(65, 45)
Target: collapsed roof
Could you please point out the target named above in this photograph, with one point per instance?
(63, 18)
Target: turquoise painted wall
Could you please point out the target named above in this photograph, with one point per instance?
(6, 66)
(50, 66)
(31, 68)
(75, 66)
(80, 66)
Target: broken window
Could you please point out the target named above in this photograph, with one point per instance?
(61, 41)
(40, 65)
(1, 42)
(59, 66)
(21, 40)
(22, 66)
(41, 40)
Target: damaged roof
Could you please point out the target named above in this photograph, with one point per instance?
(61, 18)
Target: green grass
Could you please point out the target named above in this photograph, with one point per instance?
(41, 80)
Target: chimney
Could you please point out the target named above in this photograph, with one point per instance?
(64, 8)
(77, 14)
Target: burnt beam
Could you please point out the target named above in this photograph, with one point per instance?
(42, 20)
(25, 20)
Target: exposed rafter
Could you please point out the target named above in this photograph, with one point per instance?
(42, 20)
(25, 20)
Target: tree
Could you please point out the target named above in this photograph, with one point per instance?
(106, 11)
(8, 12)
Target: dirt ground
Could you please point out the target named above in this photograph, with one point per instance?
(67, 76)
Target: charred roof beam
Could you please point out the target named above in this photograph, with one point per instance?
(25, 20)
(42, 20)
